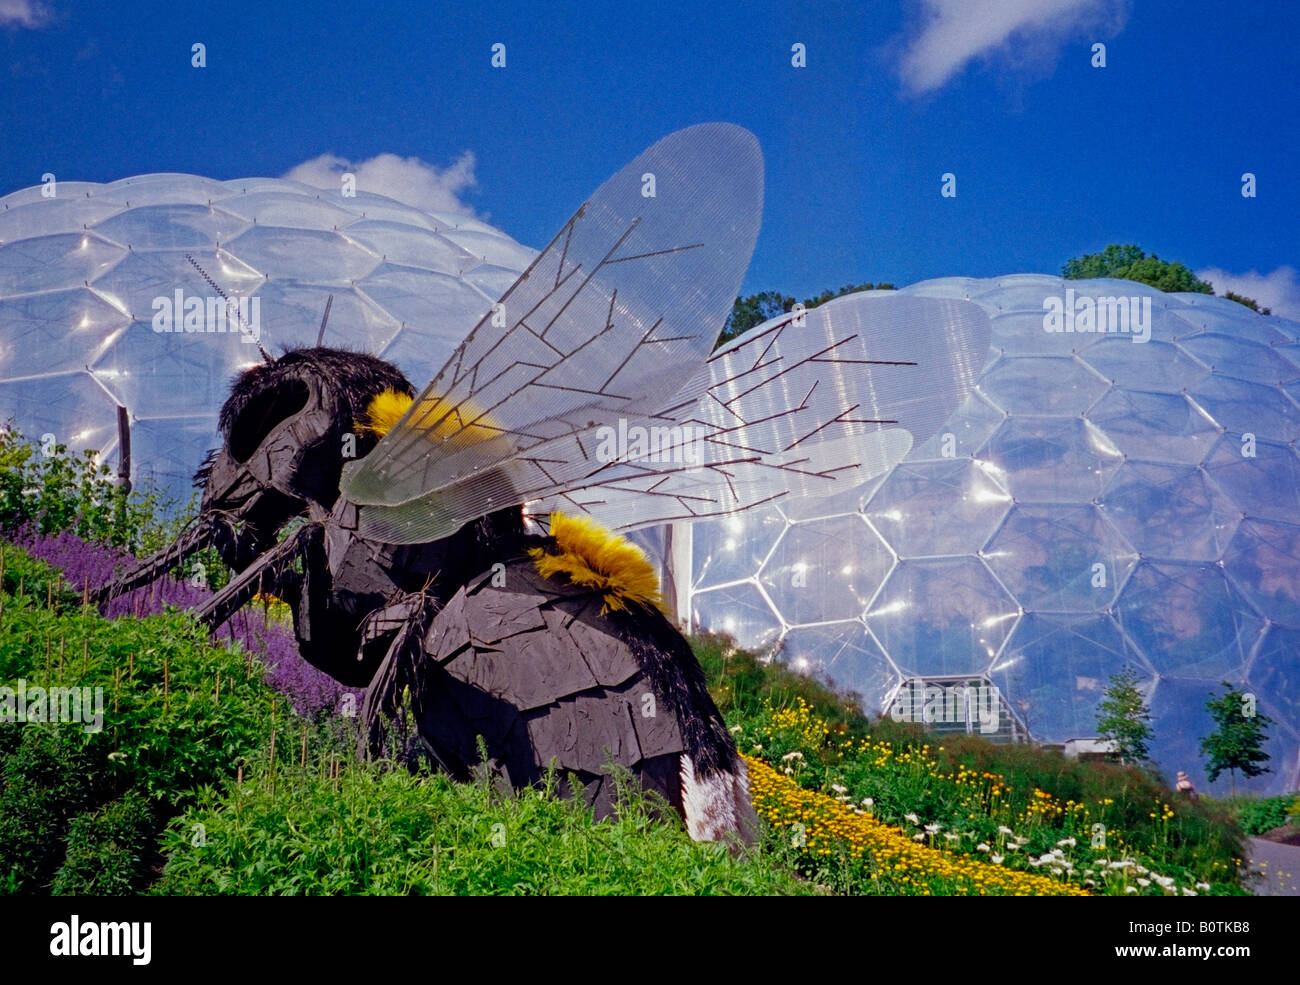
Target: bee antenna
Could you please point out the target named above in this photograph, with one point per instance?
(320, 336)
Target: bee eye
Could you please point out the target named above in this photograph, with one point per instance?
(262, 413)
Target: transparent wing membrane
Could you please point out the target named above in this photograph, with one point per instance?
(611, 322)
(793, 409)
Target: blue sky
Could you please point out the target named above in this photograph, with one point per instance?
(1052, 156)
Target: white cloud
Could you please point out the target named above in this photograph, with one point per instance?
(953, 32)
(407, 179)
(1279, 290)
(23, 13)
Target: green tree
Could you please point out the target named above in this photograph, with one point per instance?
(1238, 741)
(1250, 303)
(758, 308)
(1122, 717)
(1129, 262)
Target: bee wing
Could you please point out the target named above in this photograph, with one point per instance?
(611, 321)
(790, 409)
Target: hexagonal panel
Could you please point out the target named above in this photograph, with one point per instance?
(1055, 460)
(1274, 675)
(1060, 558)
(1262, 562)
(937, 508)
(741, 611)
(79, 318)
(1241, 407)
(937, 617)
(1155, 365)
(1055, 669)
(303, 254)
(1170, 511)
(970, 427)
(1264, 484)
(1041, 385)
(1239, 357)
(825, 570)
(846, 655)
(1187, 620)
(52, 263)
(734, 548)
(1124, 416)
(173, 227)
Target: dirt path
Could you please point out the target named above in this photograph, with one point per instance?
(1279, 866)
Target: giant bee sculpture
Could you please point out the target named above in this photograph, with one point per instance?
(448, 549)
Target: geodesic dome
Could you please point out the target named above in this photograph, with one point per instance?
(82, 275)
(1097, 503)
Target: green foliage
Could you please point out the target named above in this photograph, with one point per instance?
(758, 308)
(107, 850)
(1237, 743)
(1131, 263)
(164, 731)
(376, 831)
(1250, 303)
(51, 489)
(1122, 718)
(1257, 815)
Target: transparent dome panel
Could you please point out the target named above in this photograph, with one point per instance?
(301, 254)
(825, 570)
(1240, 358)
(740, 611)
(427, 300)
(1049, 459)
(71, 408)
(964, 433)
(410, 246)
(938, 508)
(1153, 365)
(936, 617)
(81, 322)
(1274, 676)
(845, 655)
(1060, 558)
(1262, 563)
(67, 213)
(1170, 511)
(734, 548)
(1055, 669)
(1243, 407)
(53, 263)
(1261, 478)
(1125, 416)
(306, 212)
(171, 227)
(1187, 620)
(1037, 385)
(292, 313)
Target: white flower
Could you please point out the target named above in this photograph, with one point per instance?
(1130, 889)
(757, 747)
(981, 847)
(1166, 881)
(918, 837)
(868, 802)
(933, 828)
(997, 859)
(913, 818)
(1067, 842)
(839, 789)
(1203, 887)
(735, 730)
(791, 755)
(1004, 830)
(952, 837)
(1188, 892)
(1144, 883)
